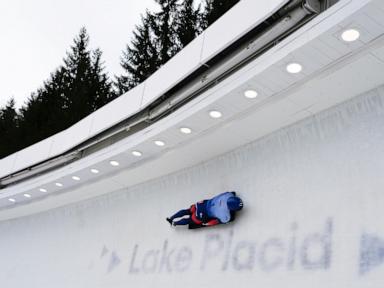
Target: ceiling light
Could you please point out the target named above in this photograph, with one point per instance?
(114, 163)
(11, 200)
(159, 143)
(185, 130)
(350, 35)
(250, 94)
(58, 184)
(215, 114)
(27, 195)
(294, 68)
(43, 190)
(137, 153)
(76, 178)
(95, 171)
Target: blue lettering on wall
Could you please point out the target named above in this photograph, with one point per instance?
(222, 251)
(371, 252)
(150, 260)
(114, 261)
(183, 259)
(104, 251)
(165, 262)
(291, 247)
(214, 246)
(322, 242)
(244, 256)
(271, 254)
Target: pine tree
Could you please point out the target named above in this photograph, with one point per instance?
(164, 29)
(88, 87)
(32, 121)
(162, 34)
(154, 43)
(73, 91)
(101, 86)
(188, 23)
(9, 141)
(214, 9)
(140, 59)
(45, 111)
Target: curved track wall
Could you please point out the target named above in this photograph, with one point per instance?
(313, 207)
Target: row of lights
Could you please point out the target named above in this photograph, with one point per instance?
(349, 35)
(185, 130)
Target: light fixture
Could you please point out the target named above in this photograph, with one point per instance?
(43, 190)
(215, 114)
(250, 94)
(11, 200)
(294, 68)
(185, 130)
(159, 143)
(137, 153)
(95, 171)
(58, 184)
(350, 35)
(76, 178)
(27, 195)
(114, 163)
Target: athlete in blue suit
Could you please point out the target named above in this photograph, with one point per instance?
(220, 209)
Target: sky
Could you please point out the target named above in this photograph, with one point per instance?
(35, 35)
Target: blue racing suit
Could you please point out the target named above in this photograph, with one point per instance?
(217, 207)
(215, 210)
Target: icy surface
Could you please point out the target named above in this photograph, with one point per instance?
(313, 196)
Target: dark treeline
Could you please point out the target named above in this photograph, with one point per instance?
(80, 86)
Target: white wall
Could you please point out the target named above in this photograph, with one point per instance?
(313, 197)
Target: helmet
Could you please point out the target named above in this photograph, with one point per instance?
(234, 203)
